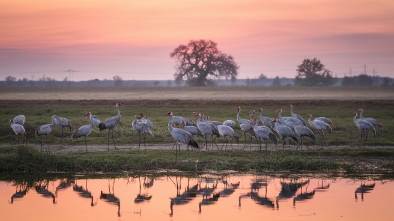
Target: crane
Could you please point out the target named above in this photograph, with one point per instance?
(193, 130)
(147, 122)
(297, 116)
(229, 123)
(226, 131)
(141, 126)
(206, 129)
(304, 131)
(84, 131)
(62, 122)
(93, 118)
(180, 136)
(285, 132)
(370, 120)
(320, 126)
(364, 127)
(45, 129)
(288, 121)
(18, 129)
(266, 120)
(325, 120)
(263, 132)
(111, 123)
(245, 125)
(20, 119)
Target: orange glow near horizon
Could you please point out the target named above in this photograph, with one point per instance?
(134, 38)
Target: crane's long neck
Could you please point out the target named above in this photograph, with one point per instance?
(361, 114)
(310, 119)
(118, 113)
(291, 110)
(355, 118)
(238, 117)
(170, 124)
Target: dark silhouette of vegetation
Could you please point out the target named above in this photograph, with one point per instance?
(200, 62)
(312, 73)
(276, 82)
(118, 81)
(360, 80)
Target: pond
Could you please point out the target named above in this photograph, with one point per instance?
(198, 197)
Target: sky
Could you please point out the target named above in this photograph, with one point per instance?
(98, 39)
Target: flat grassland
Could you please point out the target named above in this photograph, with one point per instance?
(198, 93)
(339, 104)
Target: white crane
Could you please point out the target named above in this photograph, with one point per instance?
(320, 126)
(285, 132)
(45, 130)
(84, 131)
(266, 120)
(180, 136)
(370, 120)
(62, 122)
(297, 116)
(364, 127)
(288, 121)
(141, 127)
(147, 122)
(20, 119)
(206, 129)
(177, 120)
(214, 123)
(245, 125)
(93, 118)
(111, 123)
(304, 131)
(18, 129)
(226, 131)
(263, 132)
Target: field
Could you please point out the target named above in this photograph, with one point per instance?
(339, 104)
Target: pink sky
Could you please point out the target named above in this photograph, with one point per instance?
(133, 39)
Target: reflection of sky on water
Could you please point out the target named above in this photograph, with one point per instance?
(205, 197)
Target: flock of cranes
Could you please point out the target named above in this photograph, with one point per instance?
(184, 130)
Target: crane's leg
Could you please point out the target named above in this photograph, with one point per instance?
(266, 145)
(86, 144)
(139, 142)
(113, 139)
(206, 142)
(41, 143)
(108, 139)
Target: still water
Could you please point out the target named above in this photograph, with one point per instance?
(204, 197)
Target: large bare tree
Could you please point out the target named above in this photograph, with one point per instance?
(200, 62)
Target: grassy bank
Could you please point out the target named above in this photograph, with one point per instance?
(22, 160)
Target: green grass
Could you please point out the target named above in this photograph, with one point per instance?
(340, 112)
(27, 160)
(344, 154)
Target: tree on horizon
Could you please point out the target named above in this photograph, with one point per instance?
(313, 73)
(200, 62)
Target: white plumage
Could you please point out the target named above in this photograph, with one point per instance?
(142, 126)
(285, 132)
(45, 129)
(93, 118)
(304, 131)
(229, 123)
(62, 122)
(263, 132)
(111, 123)
(267, 121)
(370, 120)
(364, 127)
(226, 131)
(20, 119)
(181, 136)
(193, 130)
(84, 131)
(297, 116)
(245, 125)
(206, 129)
(18, 129)
(324, 119)
(320, 126)
(288, 121)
